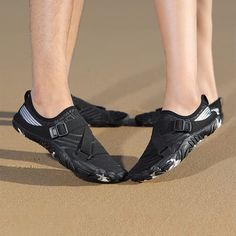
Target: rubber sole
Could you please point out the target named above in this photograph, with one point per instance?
(55, 152)
(170, 162)
(220, 120)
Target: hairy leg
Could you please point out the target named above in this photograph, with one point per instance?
(53, 32)
(205, 73)
(178, 26)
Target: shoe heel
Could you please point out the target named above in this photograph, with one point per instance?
(17, 127)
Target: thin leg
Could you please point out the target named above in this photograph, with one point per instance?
(205, 73)
(178, 27)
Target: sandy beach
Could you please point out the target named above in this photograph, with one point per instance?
(118, 63)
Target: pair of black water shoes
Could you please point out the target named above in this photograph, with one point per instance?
(71, 142)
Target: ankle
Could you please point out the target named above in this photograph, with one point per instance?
(212, 97)
(51, 105)
(207, 84)
(182, 105)
(210, 91)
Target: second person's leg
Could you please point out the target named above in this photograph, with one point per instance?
(178, 27)
(205, 74)
(205, 68)
(186, 117)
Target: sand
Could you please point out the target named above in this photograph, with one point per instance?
(120, 54)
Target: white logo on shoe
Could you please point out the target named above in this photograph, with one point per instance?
(103, 178)
(174, 163)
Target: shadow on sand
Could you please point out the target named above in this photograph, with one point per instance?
(53, 175)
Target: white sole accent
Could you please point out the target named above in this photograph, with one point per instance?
(102, 178)
(20, 132)
(219, 123)
(153, 175)
(175, 163)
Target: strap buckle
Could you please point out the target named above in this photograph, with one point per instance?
(182, 125)
(59, 130)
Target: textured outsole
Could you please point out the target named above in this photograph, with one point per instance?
(170, 162)
(65, 161)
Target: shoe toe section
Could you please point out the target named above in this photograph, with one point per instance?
(116, 177)
(137, 174)
(100, 173)
(146, 119)
(105, 169)
(143, 120)
(117, 115)
(109, 168)
(141, 176)
(145, 166)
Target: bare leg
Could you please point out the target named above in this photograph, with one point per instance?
(205, 74)
(66, 136)
(178, 25)
(54, 27)
(173, 137)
